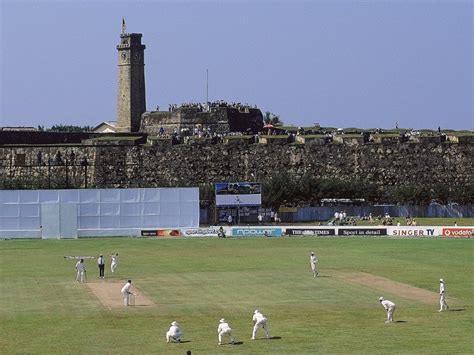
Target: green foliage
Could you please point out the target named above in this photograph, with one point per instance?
(271, 118)
(68, 128)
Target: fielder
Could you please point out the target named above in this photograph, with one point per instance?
(259, 320)
(389, 307)
(313, 259)
(126, 293)
(114, 263)
(223, 329)
(174, 334)
(443, 306)
(80, 270)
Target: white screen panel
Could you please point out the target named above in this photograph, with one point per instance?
(151, 221)
(30, 223)
(188, 220)
(48, 196)
(10, 211)
(69, 196)
(9, 223)
(109, 195)
(130, 209)
(7, 197)
(89, 196)
(189, 195)
(130, 195)
(151, 208)
(171, 209)
(89, 209)
(131, 222)
(29, 196)
(29, 210)
(89, 222)
(109, 221)
(151, 195)
(109, 209)
(188, 208)
(169, 221)
(170, 195)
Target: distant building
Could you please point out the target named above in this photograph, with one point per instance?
(105, 127)
(19, 129)
(131, 101)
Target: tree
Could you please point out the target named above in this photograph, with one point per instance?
(271, 118)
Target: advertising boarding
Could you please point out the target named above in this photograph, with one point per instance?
(235, 194)
(257, 232)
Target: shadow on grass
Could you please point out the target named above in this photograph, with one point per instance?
(317, 277)
(401, 321)
(238, 343)
(457, 310)
(271, 338)
(183, 341)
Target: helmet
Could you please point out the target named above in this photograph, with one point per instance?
(222, 320)
(174, 323)
(381, 299)
(441, 280)
(256, 311)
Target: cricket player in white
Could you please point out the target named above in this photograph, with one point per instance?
(313, 259)
(113, 264)
(126, 292)
(389, 307)
(174, 333)
(443, 306)
(259, 320)
(80, 270)
(223, 329)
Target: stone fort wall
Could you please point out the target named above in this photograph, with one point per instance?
(130, 163)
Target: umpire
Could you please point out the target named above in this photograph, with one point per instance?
(101, 264)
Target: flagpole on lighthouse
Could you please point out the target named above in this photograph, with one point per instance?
(207, 85)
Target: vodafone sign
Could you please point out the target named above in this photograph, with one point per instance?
(458, 232)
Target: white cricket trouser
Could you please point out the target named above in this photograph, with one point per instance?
(113, 267)
(80, 276)
(443, 305)
(390, 312)
(227, 331)
(315, 271)
(173, 336)
(261, 323)
(125, 299)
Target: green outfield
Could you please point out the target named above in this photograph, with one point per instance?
(198, 281)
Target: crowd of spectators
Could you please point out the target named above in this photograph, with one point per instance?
(208, 106)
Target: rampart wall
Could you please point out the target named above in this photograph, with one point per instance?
(132, 164)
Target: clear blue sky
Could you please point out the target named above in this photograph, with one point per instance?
(338, 63)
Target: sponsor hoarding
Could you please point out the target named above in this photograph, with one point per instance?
(458, 232)
(361, 231)
(310, 231)
(257, 231)
(238, 194)
(413, 231)
(161, 233)
(201, 232)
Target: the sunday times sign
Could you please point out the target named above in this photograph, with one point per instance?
(235, 194)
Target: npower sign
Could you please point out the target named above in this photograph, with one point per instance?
(253, 232)
(457, 232)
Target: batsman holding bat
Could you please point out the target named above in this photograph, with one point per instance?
(126, 293)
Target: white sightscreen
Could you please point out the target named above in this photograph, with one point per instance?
(100, 211)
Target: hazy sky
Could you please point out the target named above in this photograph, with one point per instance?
(338, 63)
